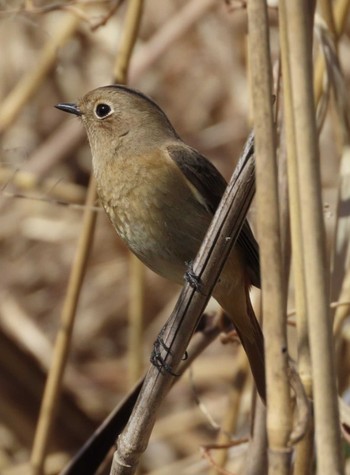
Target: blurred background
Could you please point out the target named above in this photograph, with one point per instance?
(190, 57)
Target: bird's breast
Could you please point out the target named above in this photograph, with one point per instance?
(154, 211)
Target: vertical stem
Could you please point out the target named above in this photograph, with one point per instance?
(304, 449)
(279, 418)
(127, 41)
(61, 350)
(315, 268)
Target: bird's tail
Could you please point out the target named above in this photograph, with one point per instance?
(250, 334)
(253, 345)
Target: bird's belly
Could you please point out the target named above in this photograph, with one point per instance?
(164, 240)
(157, 216)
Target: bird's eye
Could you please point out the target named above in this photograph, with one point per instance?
(103, 110)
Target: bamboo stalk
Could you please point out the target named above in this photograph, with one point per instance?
(279, 420)
(315, 268)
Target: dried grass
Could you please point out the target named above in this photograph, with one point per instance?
(198, 74)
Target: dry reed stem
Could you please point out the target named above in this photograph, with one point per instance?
(191, 303)
(127, 40)
(31, 82)
(279, 417)
(315, 265)
(304, 449)
(63, 339)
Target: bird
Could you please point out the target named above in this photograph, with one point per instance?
(160, 195)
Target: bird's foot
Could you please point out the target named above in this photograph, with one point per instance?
(192, 278)
(158, 360)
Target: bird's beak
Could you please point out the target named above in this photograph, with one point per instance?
(69, 107)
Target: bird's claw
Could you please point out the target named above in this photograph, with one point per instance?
(158, 360)
(192, 278)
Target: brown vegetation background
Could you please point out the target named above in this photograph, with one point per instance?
(201, 80)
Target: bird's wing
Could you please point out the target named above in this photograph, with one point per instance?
(210, 185)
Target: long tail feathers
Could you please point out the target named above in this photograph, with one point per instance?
(253, 345)
(238, 306)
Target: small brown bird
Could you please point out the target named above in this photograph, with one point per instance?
(161, 195)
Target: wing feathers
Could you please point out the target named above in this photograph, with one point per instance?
(210, 185)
